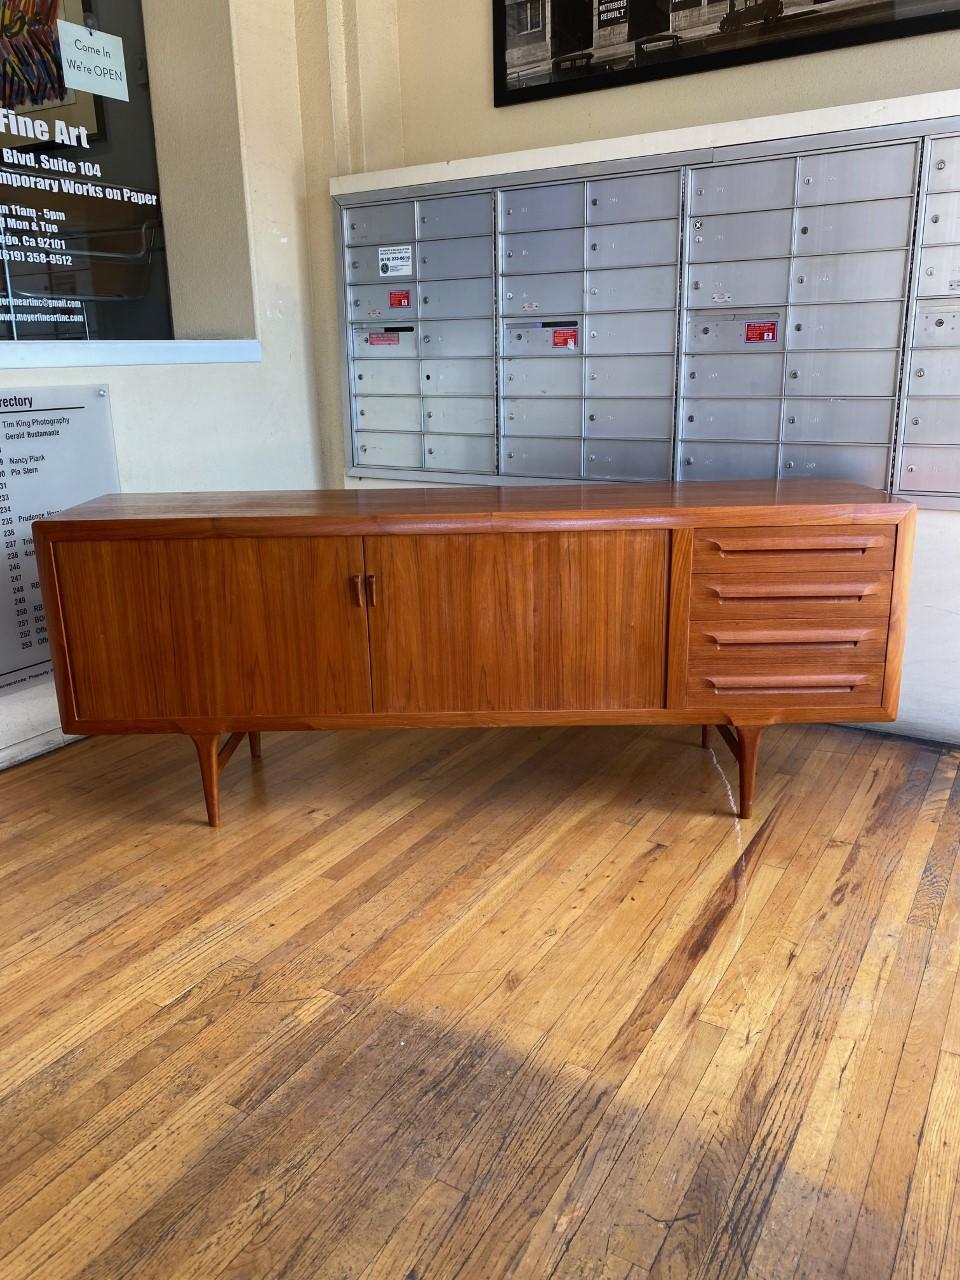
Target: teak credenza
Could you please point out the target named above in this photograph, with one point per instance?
(736, 605)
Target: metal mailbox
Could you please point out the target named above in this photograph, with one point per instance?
(386, 377)
(941, 219)
(633, 244)
(561, 458)
(388, 413)
(632, 332)
(856, 326)
(458, 378)
(854, 228)
(940, 272)
(380, 224)
(629, 419)
(704, 460)
(746, 332)
(850, 277)
(930, 470)
(639, 198)
(551, 339)
(731, 420)
(543, 377)
(937, 325)
(858, 173)
(375, 449)
(627, 376)
(463, 415)
(554, 417)
(456, 338)
(455, 216)
(627, 460)
(738, 375)
(554, 294)
(859, 464)
(385, 342)
(739, 284)
(548, 251)
(456, 259)
(449, 299)
(944, 173)
(934, 373)
(363, 267)
(730, 236)
(744, 187)
(459, 453)
(842, 373)
(542, 208)
(932, 422)
(844, 421)
(373, 301)
(632, 289)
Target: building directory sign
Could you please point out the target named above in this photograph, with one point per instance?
(56, 449)
(81, 229)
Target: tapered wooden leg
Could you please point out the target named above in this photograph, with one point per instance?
(256, 747)
(208, 753)
(705, 737)
(748, 741)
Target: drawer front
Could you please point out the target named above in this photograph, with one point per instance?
(382, 450)
(845, 686)
(854, 277)
(932, 422)
(560, 458)
(843, 421)
(934, 373)
(944, 172)
(854, 228)
(757, 374)
(544, 377)
(633, 244)
(739, 284)
(857, 463)
(789, 548)
(942, 217)
(875, 173)
(546, 417)
(743, 332)
(628, 460)
(456, 259)
(546, 251)
(549, 339)
(832, 596)
(727, 237)
(632, 289)
(460, 453)
(387, 301)
(386, 377)
(388, 413)
(640, 331)
(383, 224)
(647, 196)
(937, 325)
(940, 272)
(733, 188)
(443, 299)
(731, 420)
(549, 295)
(363, 267)
(540, 208)
(841, 373)
(458, 377)
(746, 646)
(453, 216)
(935, 470)
(630, 419)
(463, 415)
(856, 326)
(384, 342)
(627, 376)
(704, 460)
(457, 338)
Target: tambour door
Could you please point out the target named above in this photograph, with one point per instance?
(229, 628)
(489, 622)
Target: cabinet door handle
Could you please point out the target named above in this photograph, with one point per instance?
(356, 587)
(372, 590)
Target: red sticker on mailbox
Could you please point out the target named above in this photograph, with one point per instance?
(566, 338)
(387, 339)
(761, 330)
(399, 297)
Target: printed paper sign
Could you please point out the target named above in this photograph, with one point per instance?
(760, 331)
(396, 260)
(399, 297)
(93, 61)
(387, 339)
(566, 338)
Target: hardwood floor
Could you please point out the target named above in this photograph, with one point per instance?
(508, 1003)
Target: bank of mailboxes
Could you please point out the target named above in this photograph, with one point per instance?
(749, 319)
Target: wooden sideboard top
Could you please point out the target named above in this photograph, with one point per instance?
(436, 508)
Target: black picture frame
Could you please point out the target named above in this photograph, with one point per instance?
(565, 77)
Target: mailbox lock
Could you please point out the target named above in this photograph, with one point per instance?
(424, 219)
(915, 421)
(353, 226)
(357, 302)
(593, 417)
(594, 201)
(510, 417)
(941, 164)
(594, 292)
(801, 279)
(691, 418)
(593, 377)
(595, 247)
(509, 212)
(788, 465)
(935, 218)
(428, 376)
(430, 451)
(591, 457)
(426, 337)
(429, 413)
(939, 323)
(511, 455)
(355, 265)
(688, 462)
(798, 327)
(791, 420)
(593, 333)
(698, 239)
(700, 191)
(519, 337)
(807, 181)
(930, 271)
(509, 253)
(911, 468)
(920, 373)
(426, 300)
(363, 448)
(794, 373)
(359, 377)
(705, 329)
(693, 375)
(509, 297)
(696, 284)
(363, 413)
(804, 231)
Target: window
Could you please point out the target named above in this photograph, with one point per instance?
(524, 17)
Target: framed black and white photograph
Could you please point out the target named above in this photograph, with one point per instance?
(543, 48)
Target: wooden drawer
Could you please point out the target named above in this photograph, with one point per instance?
(830, 597)
(742, 646)
(794, 548)
(854, 684)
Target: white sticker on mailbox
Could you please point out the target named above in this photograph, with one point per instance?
(396, 260)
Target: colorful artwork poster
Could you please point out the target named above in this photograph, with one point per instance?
(32, 70)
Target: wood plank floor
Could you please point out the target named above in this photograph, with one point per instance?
(505, 1003)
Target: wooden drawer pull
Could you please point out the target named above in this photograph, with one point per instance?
(838, 544)
(838, 639)
(785, 684)
(826, 591)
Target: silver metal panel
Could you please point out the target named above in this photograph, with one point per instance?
(458, 377)
(649, 195)
(633, 244)
(857, 326)
(632, 289)
(930, 470)
(934, 373)
(542, 208)
(463, 415)
(703, 460)
(443, 299)
(626, 376)
(363, 267)
(387, 301)
(944, 171)
(864, 173)
(547, 295)
(739, 375)
(941, 219)
(939, 272)
(638, 331)
(545, 377)
(736, 188)
(937, 325)
(746, 332)
(388, 413)
(627, 460)
(455, 259)
(550, 339)
(842, 373)
(553, 417)
(860, 464)
(932, 422)
(739, 284)
(727, 237)
(456, 338)
(386, 377)
(854, 228)
(845, 421)
(852, 277)
(384, 342)
(561, 458)
(380, 224)
(448, 216)
(731, 420)
(630, 419)
(382, 450)
(541, 251)
(460, 453)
